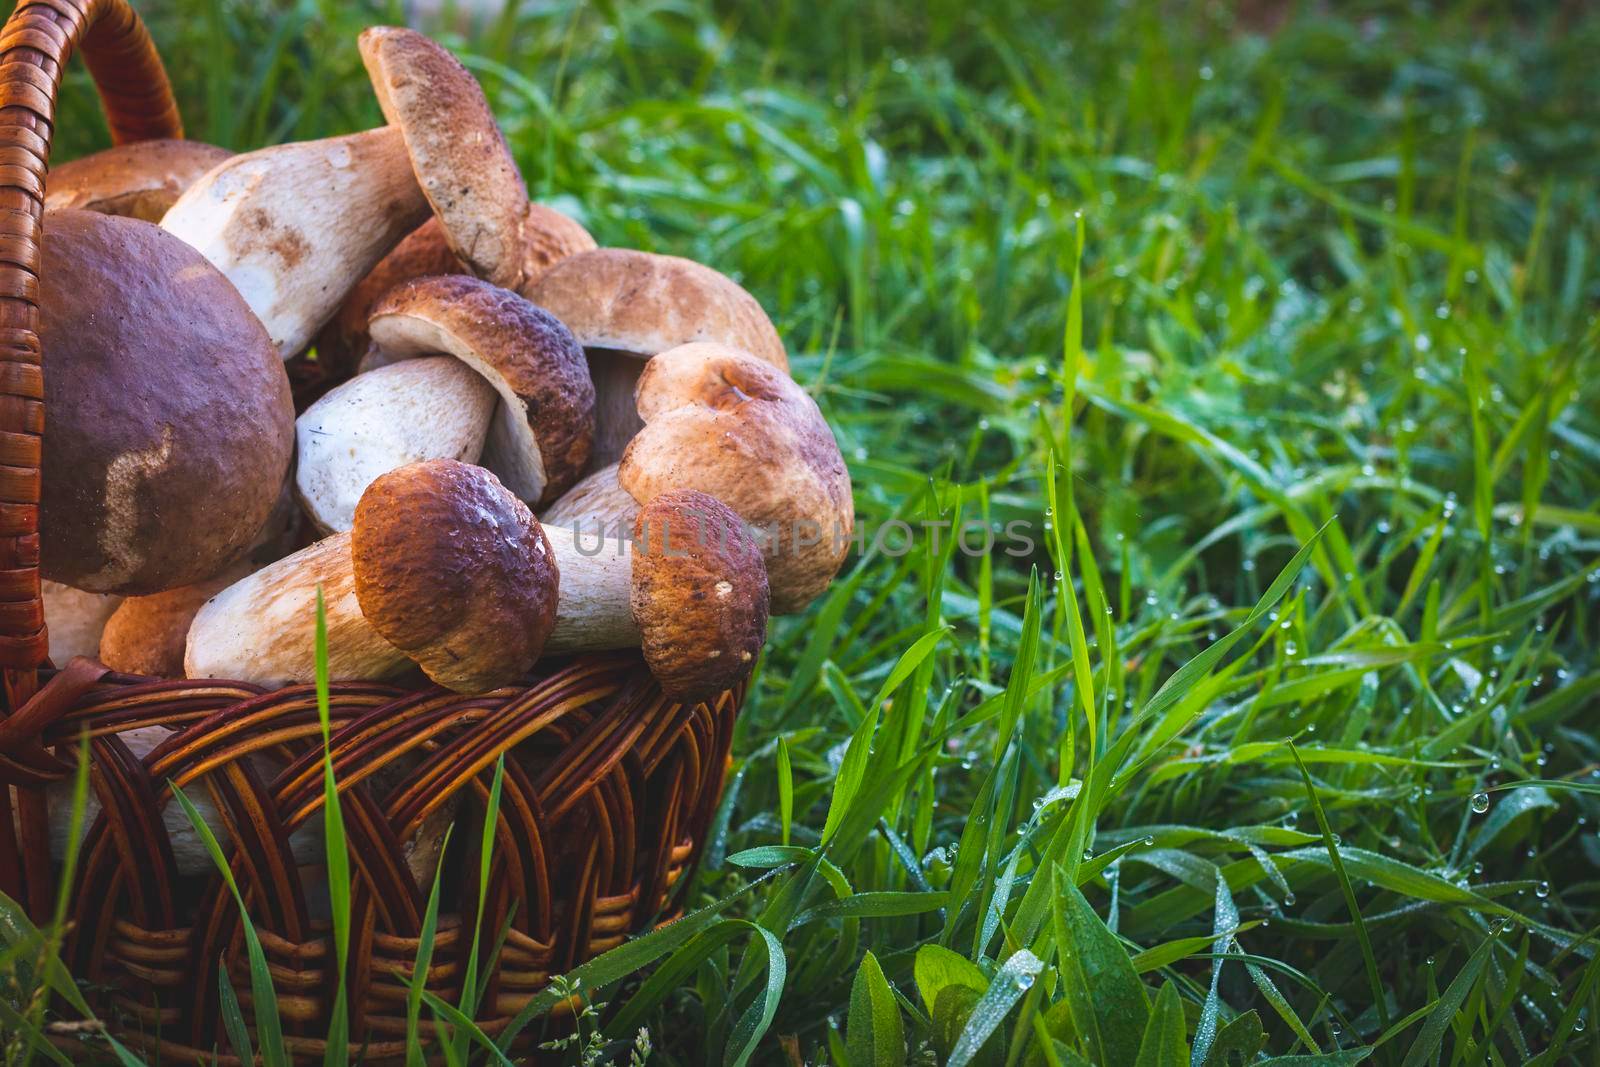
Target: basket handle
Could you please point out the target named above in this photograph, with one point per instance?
(34, 46)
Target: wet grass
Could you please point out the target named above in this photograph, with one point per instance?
(1282, 348)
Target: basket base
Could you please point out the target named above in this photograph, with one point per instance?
(606, 794)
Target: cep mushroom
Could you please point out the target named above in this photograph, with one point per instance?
(139, 180)
(437, 407)
(447, 567)
(625, 307)
(171, 424)
(547, 238)
(261, 629)
(689, 589)
(726, 423)
(296, 226)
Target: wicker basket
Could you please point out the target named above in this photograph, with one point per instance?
(606, 799)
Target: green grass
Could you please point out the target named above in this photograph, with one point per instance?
(1333, 320)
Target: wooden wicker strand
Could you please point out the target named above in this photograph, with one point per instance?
(138, 102)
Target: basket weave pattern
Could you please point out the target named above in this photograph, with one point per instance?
(608, 790)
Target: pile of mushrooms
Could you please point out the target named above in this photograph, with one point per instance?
(540, 446)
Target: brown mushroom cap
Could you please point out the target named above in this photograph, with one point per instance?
(540, 438)
(139, 180)
(458, 153)
(642, 303)
(725, 423)
(699, 594)
(170, 421)
(455, 571)
(547, 238)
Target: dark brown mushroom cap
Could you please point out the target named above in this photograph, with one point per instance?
(725, 423)
(699, 594)
(170, 420)
(458, 152)
(547, 238)
(454, 570)
(642, 303)
(539, 443)
(139, 180)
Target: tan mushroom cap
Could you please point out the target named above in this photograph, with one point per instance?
(725, 423)
(540, 438)
(455, 571)
(699, 594)
(170, 421)
(642, 303)
(458, 153)
(139, 180)
(548, 237)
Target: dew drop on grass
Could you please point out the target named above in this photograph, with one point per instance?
(1058, 576)
(1288, 900)
(1541, 890)
(1480, 803)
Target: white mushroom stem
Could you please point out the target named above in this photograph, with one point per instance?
(432, 408)
(616, 420)
(76, 620)
(598, 505)
(187, 847)
(594, 609)
(262, 629)
(296, 226)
